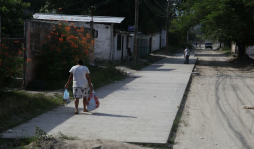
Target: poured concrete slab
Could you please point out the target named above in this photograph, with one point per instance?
(141, 108)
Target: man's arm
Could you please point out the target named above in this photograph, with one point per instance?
(89, 81)
(69, 80)
(184, 53)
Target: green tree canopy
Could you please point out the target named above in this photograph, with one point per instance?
(152, 13)
(230, 20)
(12, 14)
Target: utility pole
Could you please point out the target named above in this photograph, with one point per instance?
(135, 48)
(91, 54)
(167, 29)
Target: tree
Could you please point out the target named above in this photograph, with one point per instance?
(35, 5)
(152, 13)
(12, 14)
(230, 20)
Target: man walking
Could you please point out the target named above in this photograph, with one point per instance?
(186, 55)
(81, 83)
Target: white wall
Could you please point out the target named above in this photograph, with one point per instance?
(250, 50)
(155, 42)
(233, 48)
(102, 44)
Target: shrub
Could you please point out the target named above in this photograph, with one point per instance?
(11, 64)
(63, 46)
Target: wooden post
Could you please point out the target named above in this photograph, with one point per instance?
(135, 48)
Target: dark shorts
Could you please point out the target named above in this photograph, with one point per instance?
(80, 92)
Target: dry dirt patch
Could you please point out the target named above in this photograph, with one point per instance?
(213, 117)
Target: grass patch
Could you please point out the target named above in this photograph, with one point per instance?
(17, 107)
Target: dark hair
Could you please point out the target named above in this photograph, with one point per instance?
(80, 62)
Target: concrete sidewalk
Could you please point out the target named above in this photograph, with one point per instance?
(141, 108)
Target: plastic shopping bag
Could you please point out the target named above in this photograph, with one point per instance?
(92, 101)
(66, 97)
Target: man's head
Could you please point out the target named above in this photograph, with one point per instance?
(80, 62)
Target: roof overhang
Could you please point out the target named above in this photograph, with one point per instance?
(77, 18)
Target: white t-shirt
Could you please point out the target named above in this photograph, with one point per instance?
(187, 51)
(79, 76)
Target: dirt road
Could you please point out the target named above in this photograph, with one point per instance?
(213, 117)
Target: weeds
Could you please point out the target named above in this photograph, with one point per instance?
(63, 136)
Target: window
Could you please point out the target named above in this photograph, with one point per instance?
(119, 41)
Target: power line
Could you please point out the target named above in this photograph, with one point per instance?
(158, 13)
(96, 5)
(151, 5)
(73, 3)
(159, 5)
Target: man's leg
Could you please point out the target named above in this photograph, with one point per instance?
(187, 59)
(84, 104)
(76, 102)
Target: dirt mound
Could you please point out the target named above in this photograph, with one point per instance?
(57, 143)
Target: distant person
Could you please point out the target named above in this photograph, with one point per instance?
(186, 55)
(81, 83)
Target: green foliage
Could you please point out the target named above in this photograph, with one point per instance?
(35, 5)
(11, 65)
(17, 107)
(152, 14)
(41, 135)
(66, 137)
(64, 46)
(223, 20)
(12, 14)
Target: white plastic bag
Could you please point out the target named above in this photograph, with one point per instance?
(66, 96)
(92, 101)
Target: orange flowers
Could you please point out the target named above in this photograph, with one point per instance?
(16, 41)
(28, 60)
(54, 29)
(60, 39)
(68, 28)
(72, 24)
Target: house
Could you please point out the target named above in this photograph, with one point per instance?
(111, 44)
(104, 45)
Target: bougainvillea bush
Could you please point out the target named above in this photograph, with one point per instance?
(61, 49)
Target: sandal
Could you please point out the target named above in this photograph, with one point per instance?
(85, 110)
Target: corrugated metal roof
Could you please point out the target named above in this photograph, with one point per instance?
(78, 18)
